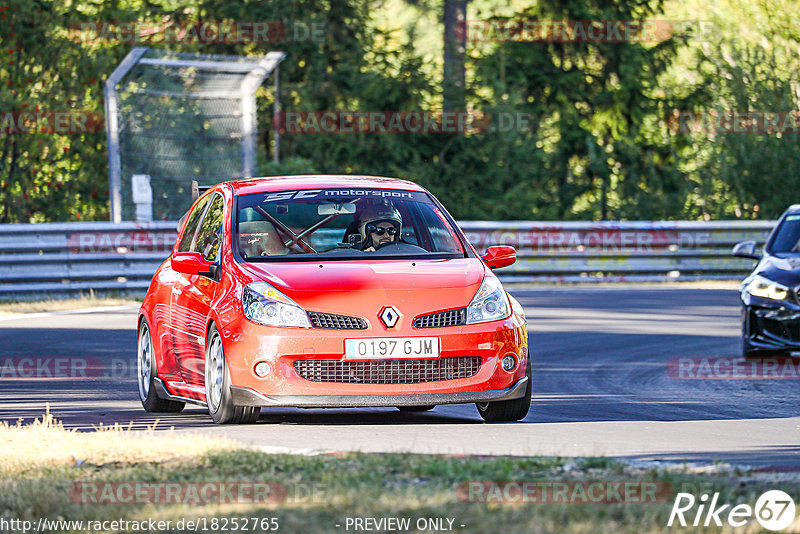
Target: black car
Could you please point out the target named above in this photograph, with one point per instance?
(770, 294)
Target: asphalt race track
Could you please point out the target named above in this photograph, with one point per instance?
(602, 386)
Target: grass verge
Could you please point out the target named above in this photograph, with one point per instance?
(45, 471)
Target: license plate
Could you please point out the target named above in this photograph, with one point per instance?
(391, 347)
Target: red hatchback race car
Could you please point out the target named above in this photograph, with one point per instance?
(329, 292)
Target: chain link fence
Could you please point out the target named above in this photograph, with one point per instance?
(180, 117)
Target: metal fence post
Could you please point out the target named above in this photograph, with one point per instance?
(276, 109)
(112, 131)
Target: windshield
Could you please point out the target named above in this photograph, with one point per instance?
(342, 224)
(787, 238)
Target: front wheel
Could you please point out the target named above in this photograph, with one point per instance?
(510, 410)
(218, 386)
(146, 374)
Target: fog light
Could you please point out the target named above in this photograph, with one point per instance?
(509, 362)
(261, 369)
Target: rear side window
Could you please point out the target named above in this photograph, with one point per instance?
(191, 227)
(209, 236)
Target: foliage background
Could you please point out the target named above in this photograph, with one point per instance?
(599, 146)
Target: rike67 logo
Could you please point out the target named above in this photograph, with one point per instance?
(774, 510)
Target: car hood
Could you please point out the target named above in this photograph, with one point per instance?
(784, 270)
(363, 287)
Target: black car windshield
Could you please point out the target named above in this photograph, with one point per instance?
(313, 224)
(787, 238)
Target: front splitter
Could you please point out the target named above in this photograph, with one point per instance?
(247, 397)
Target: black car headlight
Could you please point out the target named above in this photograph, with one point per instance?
(766, 288)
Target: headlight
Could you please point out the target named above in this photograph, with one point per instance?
(489, 304)
(263, 304)
(766, 288)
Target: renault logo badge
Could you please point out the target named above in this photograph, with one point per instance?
(389, 316)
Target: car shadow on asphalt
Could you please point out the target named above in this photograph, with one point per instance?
(79, 405)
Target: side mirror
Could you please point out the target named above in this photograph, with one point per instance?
(193, 263)
(498, 256)
(746, 249)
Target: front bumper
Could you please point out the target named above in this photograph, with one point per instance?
(246, 344)
(771, 325)
(247, 397)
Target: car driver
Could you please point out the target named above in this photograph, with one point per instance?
(380, 225)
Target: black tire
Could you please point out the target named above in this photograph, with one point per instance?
(510, 410)
(146, 374)
(220, 405)
(413, 409)
(747, 350)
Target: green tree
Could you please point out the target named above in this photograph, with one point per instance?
(751, 172)
(598, 111)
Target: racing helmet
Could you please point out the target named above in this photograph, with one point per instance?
(383, 212)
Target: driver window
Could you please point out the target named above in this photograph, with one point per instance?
(209, 235)
(443, 238)
(191, 227)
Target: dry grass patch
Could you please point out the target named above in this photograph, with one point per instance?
(41, 464)
(46, 444)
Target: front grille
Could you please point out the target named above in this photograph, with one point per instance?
(440, 319)
(336, 322)
(388, 371)
(786, 330)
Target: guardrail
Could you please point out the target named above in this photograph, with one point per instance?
(620, 251)
(69, 257)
